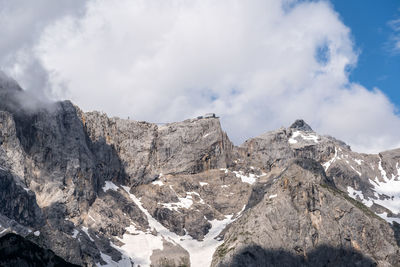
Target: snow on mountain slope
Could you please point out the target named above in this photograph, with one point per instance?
(375, 185)
(304, 135)
(139, 246)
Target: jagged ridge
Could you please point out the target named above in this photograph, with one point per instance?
(113, 191)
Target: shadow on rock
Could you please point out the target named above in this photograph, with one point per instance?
(396, 230)
(18, 251)
(256, 256)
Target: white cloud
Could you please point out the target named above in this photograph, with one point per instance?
(395, 25)
(21, 24)
(258, 64)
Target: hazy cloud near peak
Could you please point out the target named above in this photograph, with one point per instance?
(21, 24)
(258, 64)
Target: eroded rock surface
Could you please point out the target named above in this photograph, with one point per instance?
(303, 212)
(112, 192)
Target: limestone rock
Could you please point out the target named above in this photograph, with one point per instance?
(303, 220)
(98, 190)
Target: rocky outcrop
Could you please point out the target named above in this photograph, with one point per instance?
(301, 125)
(18, 251)
(18, 202)
(99, 190)
(148, 150)
(277, 148)
(186, 204)
(304, 215)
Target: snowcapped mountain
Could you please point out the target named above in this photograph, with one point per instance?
(100, 191)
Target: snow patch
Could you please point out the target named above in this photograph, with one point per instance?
(36, 233)
(90, 216)
(359, 173)
(386, 192)
(327, 164)
(390, 188)
(251, 179)
(305, 136)
(108, 260)
(184, 203)
(388, 219)
(272, 196)
(358, 161)
(204, 136)
(355, 193)
(203, 184)
(158, 182)
(292, 140)
(75, 233)
(383, 172)
(200, 251)
(110, 186)
(139, 246)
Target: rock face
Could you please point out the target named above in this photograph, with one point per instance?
(18, 202)
(102, 191)
(147, 150)
(304, 215)
(17, 251)
(301, 125)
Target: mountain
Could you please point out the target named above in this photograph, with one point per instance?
(100, 191)
(18, 251)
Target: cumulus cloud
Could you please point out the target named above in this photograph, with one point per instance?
(257, 64)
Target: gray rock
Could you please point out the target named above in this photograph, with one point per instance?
(146, 149)
(18, 251)
(18, 204)
(304, 220)
(77, 183)
(301, 125)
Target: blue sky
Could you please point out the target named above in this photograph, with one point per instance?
(378, 64)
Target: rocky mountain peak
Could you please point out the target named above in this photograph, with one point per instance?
(301, 125)
(102, 191)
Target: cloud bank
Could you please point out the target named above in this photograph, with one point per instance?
(258, 64)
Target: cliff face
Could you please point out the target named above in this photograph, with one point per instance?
(106, 191)
(304, 220)
(18, 251)
(146, 149)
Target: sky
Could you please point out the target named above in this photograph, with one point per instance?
(258, 64)
(373, 28)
